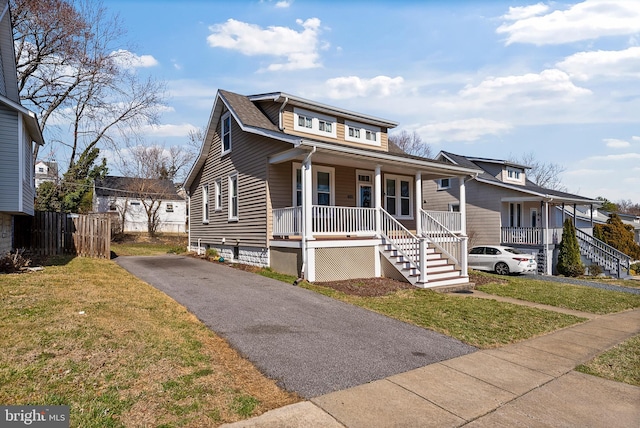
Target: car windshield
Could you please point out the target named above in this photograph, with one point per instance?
(514, 251)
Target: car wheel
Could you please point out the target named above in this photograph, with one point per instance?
(502, 268)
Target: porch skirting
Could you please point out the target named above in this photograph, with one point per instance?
(339, 263)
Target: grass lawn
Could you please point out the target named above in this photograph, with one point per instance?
(569, 296)
(87, 334)
(621, 364)
(141, 245)
(478, 322)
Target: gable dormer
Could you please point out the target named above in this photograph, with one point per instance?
(514, 174)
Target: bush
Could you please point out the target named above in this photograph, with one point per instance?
(595, 270)
(569, 263)
(211, 253)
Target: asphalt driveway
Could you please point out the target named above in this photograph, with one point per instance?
(309, 343)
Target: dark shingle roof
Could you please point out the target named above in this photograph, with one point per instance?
(121, 186)
(247, 112)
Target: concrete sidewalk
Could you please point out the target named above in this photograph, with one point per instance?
(531, 383)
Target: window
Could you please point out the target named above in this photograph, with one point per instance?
(371, 136)
(112, 207)
(218, 188)
(169, 208)
(444, 183)
(454, 208)
(233, 197)
(515, 215)
(324, 126)
(305, 122)
(513, 174)
(398, 201)
(205, 203)
(40, 169)
(362, 133)
(226, 133)
(314, 123)
(477, 250)
(323, 185)
(134, 203)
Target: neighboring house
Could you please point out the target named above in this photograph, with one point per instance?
(314, 190)
(124, 197)
(584, 214)
(19, 130)
(46, 171)
(506, 208)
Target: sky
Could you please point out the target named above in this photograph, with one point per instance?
(493, 79)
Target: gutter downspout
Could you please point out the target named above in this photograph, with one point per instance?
(304, 216)
(280, 124)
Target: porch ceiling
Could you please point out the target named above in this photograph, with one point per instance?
(369, 159)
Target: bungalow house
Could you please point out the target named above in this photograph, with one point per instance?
(19, 130)
(506, 208)
(316, 191)
(46, 171)
(128, 199)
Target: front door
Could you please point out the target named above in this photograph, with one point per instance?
(365, 196)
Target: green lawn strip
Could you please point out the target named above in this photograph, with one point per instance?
(89, 335)
(621, 363)
(478, 322)
(142, 249)
(576, 297)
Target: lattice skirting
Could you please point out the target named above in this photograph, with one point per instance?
(339, 263)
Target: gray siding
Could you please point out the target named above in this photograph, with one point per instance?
(28, 184)
(271, 110)
(248, 158)
(9, 177)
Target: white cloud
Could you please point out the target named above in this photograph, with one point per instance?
(300, 49)
(461, 130)
(284, 4)
(168, 130)
(615, 158)
(547, 87)
(614, 143)
(635, 138)
(613, 64)
(523, 12)
(353, 86)
(587, 20)
(127, 59)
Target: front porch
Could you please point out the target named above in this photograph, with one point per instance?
(348, 241)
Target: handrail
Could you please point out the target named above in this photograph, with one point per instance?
(445, 240)
(335, 220)
(451, 220)
(287, 221)
(405, 242)
(603, 254)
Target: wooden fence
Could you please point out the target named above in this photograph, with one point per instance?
(51, 233)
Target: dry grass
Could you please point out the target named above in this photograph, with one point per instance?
(120, 353)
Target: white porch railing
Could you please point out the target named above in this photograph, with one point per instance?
(451, 220)
(454, 246)
(521, 235)
(403, 241)
(287, 221)
(331, 220)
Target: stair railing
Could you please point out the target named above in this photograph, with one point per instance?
(603, 254)
(403, 241)
(450, 244)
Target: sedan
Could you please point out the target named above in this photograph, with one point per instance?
(502, 260)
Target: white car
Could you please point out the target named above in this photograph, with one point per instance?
(502, 260)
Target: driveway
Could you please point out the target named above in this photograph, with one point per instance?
(311, 344)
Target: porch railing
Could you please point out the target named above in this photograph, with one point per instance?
(332, 220)
(521, 235)
(403, 241)
(451, 220)
(609, 258)
(287, 221)
(444, 239)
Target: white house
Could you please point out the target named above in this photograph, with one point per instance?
(46, 171)
(122, 197)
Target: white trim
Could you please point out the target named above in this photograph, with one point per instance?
(345, 243)
(441, 186)
(316, 118)
(398, 197)
(233, 177)
(217, 186)
(315, 169)
(224, 117)
(360, 184)
(205, 203)
(21, 165)
(362, 129)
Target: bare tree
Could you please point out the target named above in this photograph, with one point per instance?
(545, 175)
(411, 143)
(72, 66)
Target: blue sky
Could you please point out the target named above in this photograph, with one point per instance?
(493, 79)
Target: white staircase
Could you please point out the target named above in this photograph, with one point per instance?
(403, 250)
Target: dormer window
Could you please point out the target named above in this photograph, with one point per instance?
(314, 123)
(514, 174)
(361, 133)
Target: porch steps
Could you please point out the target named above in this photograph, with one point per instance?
(440, 272)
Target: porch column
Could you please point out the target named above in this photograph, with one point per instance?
(307, 199)
(575, 216)
(548, 250)
(418, 208)
(463, 206)
(591, 211)
(377, 198)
